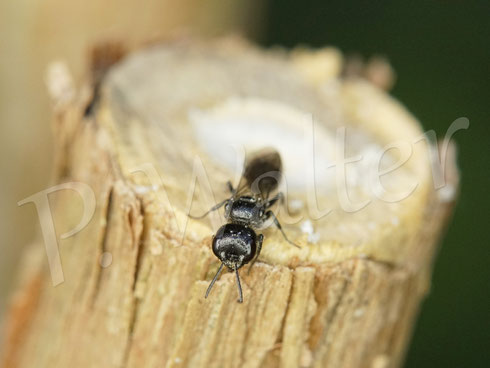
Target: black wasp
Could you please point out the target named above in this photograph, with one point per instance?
(236, 243)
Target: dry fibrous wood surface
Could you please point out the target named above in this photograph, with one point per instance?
(134, 282)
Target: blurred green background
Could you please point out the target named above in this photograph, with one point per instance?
(440, 51)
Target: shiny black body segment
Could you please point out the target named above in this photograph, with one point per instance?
(235, 244)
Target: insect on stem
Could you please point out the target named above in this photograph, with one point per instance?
(236, 243)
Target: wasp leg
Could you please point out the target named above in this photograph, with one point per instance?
(260, 239)
(214, 280)
(278, 197)
(214, 208)
(278, 225)
(230, 187)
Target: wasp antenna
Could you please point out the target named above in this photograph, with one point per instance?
(214, 280)
(240, 299)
